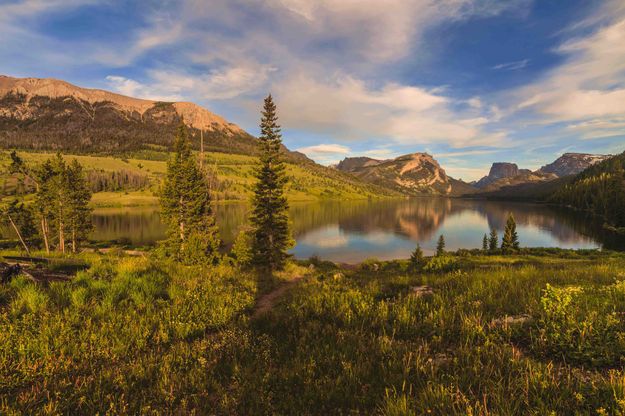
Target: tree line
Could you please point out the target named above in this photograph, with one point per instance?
(59, 215)
(600, 189)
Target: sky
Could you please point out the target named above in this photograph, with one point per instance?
(469, 81)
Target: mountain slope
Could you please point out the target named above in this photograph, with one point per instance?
(599, 189)
(49, 114)
(411, 174)
(572, 163)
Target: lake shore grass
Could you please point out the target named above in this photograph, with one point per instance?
(540, 332)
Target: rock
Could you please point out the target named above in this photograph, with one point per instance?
(510, 320)
(311, 267)
(421, 291)
(338, 276)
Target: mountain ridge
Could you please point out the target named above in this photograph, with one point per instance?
(411, 174)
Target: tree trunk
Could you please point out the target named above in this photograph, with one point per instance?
(17, 231)
(73, 239)
(44, 232)
(61, 237)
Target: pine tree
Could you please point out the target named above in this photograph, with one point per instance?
(57, 193)
(485, 242)
(493, 240)
(269, 219)
(192, 236)
(510, 240)
(416, 258)
(78, 212)
(440, 246)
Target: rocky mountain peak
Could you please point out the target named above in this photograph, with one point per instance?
(500, 170)
(572, 163)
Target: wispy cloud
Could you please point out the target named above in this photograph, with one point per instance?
(513, 66)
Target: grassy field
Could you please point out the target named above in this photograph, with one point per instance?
(540, 333)
(234, 179)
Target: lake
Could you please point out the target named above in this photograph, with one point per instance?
(356, 230)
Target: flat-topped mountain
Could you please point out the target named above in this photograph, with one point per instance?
(572, 163)
(411, 174)
(56, 115)
(500, 170)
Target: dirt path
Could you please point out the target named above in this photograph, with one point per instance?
(267, 301)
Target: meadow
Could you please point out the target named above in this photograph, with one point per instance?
(233, 178)
(541, 332)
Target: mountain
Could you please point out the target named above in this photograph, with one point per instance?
(572, 163)
(351, 164)
(508, 175)
(50, 114)
(498, 171)
(412, 174)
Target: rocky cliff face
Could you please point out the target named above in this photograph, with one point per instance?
(55, 115)
(412, 174)
(572, 163)
(498, 171)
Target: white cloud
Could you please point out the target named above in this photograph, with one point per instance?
(589, 84)
(325, 153)
(219, 84)
(513, 66)
(351, 109)
(325, 149)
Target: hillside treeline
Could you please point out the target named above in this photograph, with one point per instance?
(122, 180)
(599, 189)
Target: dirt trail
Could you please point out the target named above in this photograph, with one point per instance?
(267, 301)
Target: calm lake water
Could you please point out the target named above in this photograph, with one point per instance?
(356, 230)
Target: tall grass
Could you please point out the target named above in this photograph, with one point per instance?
(136, 336)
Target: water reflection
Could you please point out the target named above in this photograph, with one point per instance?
(353, 231)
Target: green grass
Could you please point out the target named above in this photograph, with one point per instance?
(235, 175)
(134, 335)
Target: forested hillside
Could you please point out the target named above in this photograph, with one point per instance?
(599, 189)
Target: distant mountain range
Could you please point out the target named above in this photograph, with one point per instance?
(421, 174)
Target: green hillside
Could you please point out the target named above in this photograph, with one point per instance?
(141, 175)
(599, 189)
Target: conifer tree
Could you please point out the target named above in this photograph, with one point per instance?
(493, 240)
(192, 236)
(510, 240)
(416, 258)
(78, 212)
(440, 246)
(485, 242)
(269, 219)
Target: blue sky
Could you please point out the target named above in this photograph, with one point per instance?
(470, 81)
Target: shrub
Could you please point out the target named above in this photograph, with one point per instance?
(440, 264)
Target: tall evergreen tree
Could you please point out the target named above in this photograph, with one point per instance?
(186, 207)
(269, 219)
(78, 212)
(493, 240)
(440, 246)
(416, 258)
(485, 242)
(510, 241)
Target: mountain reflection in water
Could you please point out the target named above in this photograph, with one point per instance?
(355, 230)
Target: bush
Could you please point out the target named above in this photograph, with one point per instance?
(440, 264)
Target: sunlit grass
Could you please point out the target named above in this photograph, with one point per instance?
(136, 335)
